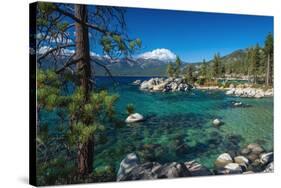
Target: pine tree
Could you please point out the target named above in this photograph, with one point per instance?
(217, 66)
(268, 47)
(203, 69)
(255, 62)
(53, 35)
(188, 76)
(177, 67)
(171, 70)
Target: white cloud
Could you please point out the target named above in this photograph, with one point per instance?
(160, 54)
(43, 49)
(64, 51)
(57, 39)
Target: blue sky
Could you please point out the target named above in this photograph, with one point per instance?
(196, 35)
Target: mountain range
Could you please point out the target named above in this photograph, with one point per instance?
(141, 66)
(152, 63)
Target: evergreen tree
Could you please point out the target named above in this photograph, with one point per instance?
(171, 70)
(203, 69)
(268, 48)
(177, 67)
(174, 69)
(255, 62)
(53, 35)
(188, 76)
(217, 66)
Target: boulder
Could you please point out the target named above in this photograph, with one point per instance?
(173, 170)
(255, 148)
(144, 85)
(245, 151)
(144, 171)
(268, 93)
(233, 168)
(223, 160)
(266, 158)
(269, 167)
(136, 117)
(217, 122)
(127, 164)
(237, 104)
(241, 160)
(252, 157)
(197, 169)
(230, 92)
(137, 82)
(159, 87)
(248, 172)
(165, 85)
(259, 95)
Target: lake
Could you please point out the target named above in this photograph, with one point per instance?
(178, 126)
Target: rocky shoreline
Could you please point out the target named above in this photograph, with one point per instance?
(250, 92)
(251, 159)
(164, 85)
(178, 84)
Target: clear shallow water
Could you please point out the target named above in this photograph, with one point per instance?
(178, 126)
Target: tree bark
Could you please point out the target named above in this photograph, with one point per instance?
(85, 150)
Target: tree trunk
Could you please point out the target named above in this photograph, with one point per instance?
(268, 70)
(85, 150)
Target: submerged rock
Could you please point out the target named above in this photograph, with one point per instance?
(137, 82)
(136, 117)
(217, 122)
(237, 104)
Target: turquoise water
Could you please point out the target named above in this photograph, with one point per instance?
(178, 126)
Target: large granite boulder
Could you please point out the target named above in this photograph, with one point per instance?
(154, 170)
(165, 85)
(269, 167)
(223, 160)
(241, 160)
(173, 170)
(266, 158)
(196, 169)
(126, 166)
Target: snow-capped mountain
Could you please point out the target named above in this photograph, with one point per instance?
(151, 63)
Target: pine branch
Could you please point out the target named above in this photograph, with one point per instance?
(66, 65)
(93, 26)
(105, 68)
(53, 50)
